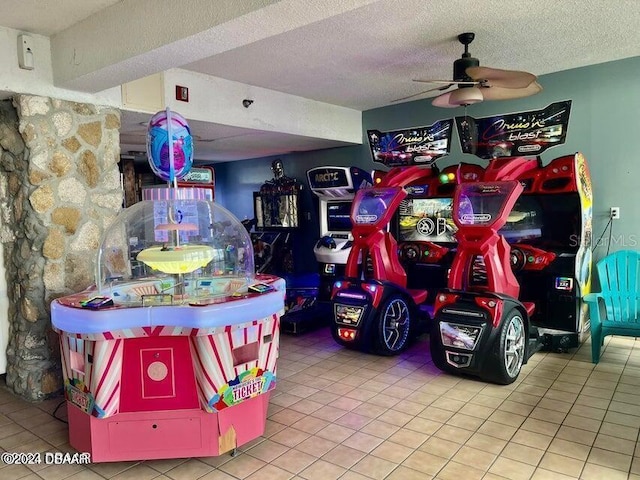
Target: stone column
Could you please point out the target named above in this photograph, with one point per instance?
(59, 188)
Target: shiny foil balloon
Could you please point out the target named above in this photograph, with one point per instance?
(168, 131)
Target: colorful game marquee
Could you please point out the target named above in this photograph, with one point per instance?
(411, 146)
(515, 134)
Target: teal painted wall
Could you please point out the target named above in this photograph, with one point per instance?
(604, 126)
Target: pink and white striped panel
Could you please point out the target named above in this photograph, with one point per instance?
(106, 376)
(99, 377)
(182, 193)
(213, 361)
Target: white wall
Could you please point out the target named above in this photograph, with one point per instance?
(39, 81)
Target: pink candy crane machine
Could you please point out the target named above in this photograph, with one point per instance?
(172, 353)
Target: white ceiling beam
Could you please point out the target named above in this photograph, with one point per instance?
(220, 101)
(135, 38)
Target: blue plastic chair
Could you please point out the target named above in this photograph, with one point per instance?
(619, 275)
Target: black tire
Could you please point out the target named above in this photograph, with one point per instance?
(509, 351)
(392, 333)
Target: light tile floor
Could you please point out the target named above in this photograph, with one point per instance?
(340, 414)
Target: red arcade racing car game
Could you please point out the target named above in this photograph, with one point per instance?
(480, 327)
(373, 308)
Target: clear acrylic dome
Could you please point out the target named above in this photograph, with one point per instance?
(174, 251)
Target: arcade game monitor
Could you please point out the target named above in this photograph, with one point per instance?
(339, 215)
(426, 239)
(425, 229)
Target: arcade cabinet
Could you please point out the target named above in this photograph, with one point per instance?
(523, 261)
(278, 219)
(546, 237)
(200, 177)
(137, 178)
(177, 360)
(550, 227)
(177, 363)
(335, 188)
(480, 325)
(277, 214)
(374, 307)
(550, 233)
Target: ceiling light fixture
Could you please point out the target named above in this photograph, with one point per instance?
(466, 96)
(455, 98)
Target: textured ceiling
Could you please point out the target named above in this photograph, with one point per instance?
(365, 53)
(47, 17)
(367, 57)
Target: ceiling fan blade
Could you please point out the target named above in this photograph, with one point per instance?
(421, 93)
(449, 83)
(409, 96)
(501, 78)
(499, 93)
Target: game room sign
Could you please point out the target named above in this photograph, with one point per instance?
(412, 146)
(523, 133)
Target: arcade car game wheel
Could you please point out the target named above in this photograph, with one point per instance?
(508, 353)
(392, 334)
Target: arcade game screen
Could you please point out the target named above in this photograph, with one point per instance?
(551, 222)
(547, 221)
(426, 220)
(524, 221)
(276, 211)
(339, 216)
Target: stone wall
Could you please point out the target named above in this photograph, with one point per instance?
(59, 189)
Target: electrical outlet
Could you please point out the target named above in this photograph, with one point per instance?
(615, 213)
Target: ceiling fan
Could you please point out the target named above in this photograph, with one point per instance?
(475, 83)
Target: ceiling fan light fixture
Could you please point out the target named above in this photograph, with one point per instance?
(477, 84)
(466, 96)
